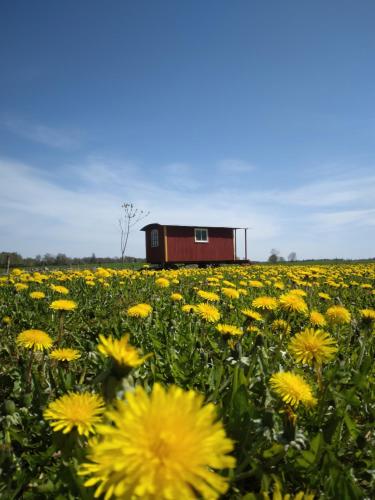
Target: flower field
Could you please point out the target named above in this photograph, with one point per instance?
(251, 382)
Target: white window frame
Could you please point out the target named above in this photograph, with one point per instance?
(200, 240)
(154, 235)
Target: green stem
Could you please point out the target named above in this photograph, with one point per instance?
(61, 328)
(318, 372)
(29, 368)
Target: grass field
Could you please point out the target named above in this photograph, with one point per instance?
(274, 365)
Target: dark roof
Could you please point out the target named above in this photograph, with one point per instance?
(184, 225)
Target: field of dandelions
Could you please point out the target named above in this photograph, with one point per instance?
(251, 382)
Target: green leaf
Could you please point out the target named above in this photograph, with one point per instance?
(351, 426)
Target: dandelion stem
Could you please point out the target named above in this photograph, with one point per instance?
(61, 328)
(318, 371)
(29, 368)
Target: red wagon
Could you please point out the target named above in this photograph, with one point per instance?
(167, 245)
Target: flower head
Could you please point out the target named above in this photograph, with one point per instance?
(83, 411)
(317, 319)
(21, 286)
(368, 315)
(281, 326)
(37, 295)
(265, 303)
(313, 346)
(63, 305)
(162, 282)
(163, 445)
(229, 329)
(34, 339)
(65, 354)
(252, 315)
(298, 292)
(256, 284)
(187, 308)
(229, 283)
(324, 296)
(207, 312)
(293, 302)
(338, 315)
(210, 296)
(231, 293)
(140, 310)
(60, 289)
(121, 351)
(292, 388)
(177, 297)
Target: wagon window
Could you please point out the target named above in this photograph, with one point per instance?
(201, 235)
(154, 238)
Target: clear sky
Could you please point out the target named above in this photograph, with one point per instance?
(246, 113)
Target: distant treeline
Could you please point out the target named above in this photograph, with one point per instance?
(16, 260)
(317, 261)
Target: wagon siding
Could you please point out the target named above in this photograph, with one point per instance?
(183, 247)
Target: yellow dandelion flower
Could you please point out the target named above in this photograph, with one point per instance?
(368, 315)
(265, 303)
(324, 296)
(177, 297)
(187, 308)
(278, 494)
(281, 326)
(229, 329)
(292, 388)
(81, 411)
(254, 315)
(163, 445)
(212, 279)
(162, 282)
(124, 354)
(21, 286)
(65, 354)
(317, 319)
(140, 311)
(102, 273)
(37, 295)
(60, 289)
(292, 302)
(253, 329)
(256, 284)
(338, 315)
(231, 293)
(7, 320)
(63, 305)
(229, 283)
(313, 346)
(279, 285)
(298, 292)
(210, 296)
(207, 312)
(34, 339)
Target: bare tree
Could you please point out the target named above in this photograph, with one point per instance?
(131, 215)
(292, 257)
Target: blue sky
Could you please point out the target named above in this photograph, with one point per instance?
(243, 113)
